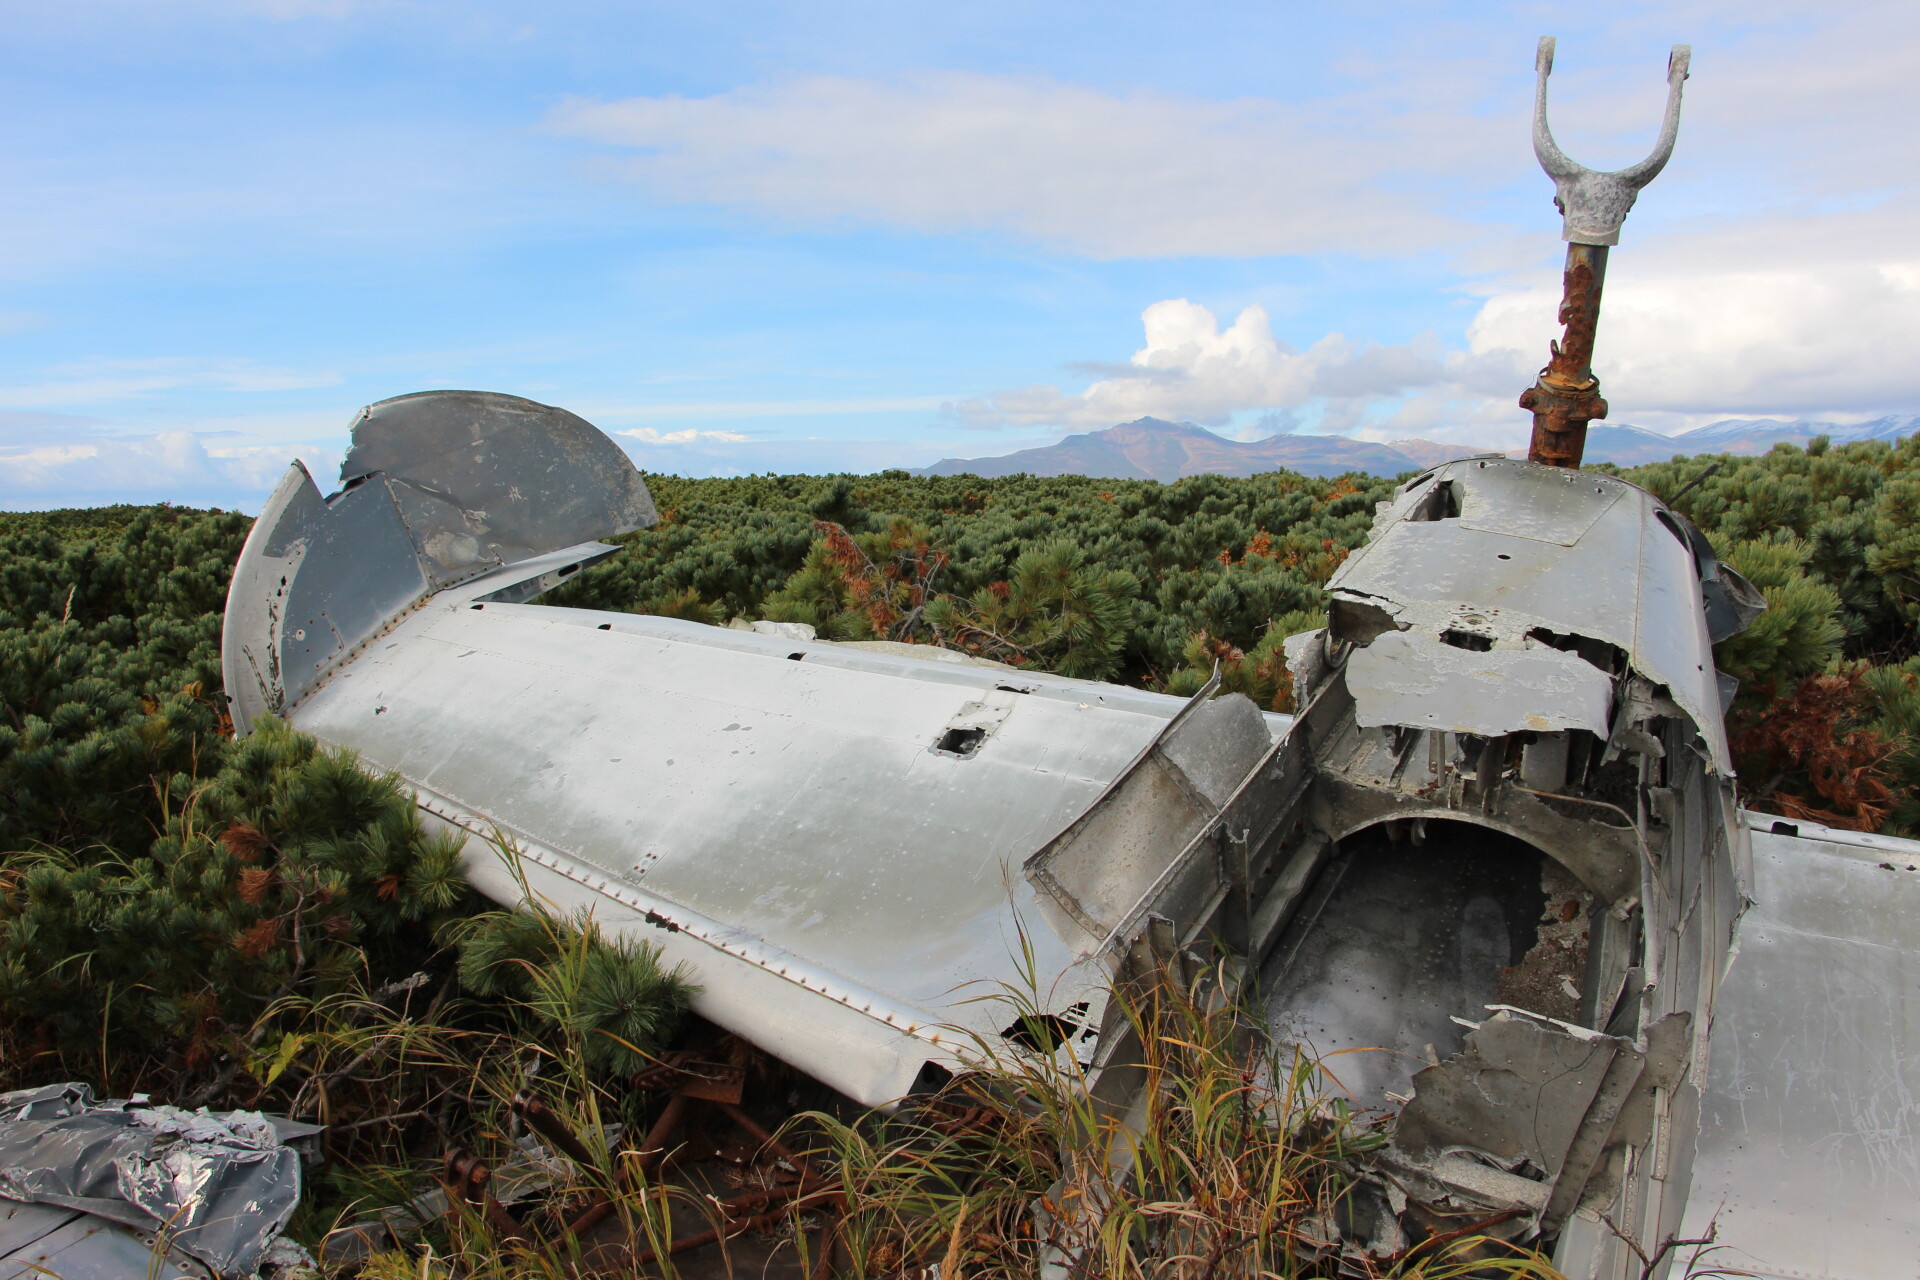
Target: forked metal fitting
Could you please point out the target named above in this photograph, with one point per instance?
(1595, 204)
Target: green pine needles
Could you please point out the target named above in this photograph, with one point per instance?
(608, 996)
(291, 874)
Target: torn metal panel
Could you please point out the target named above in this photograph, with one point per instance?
(1809, 1161)
(221, 1187)
(315, 581)
(1104, 863)
(439, 486)
(1518, 1091)
(1407, 679)
(484, 480)
(1545, 1097)
(1627, 578)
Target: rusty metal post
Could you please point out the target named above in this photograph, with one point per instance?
(1567, 396)
(1594, 205)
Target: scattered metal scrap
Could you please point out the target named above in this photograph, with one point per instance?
(125, 1187)
(1515, 690)
(705, 1091)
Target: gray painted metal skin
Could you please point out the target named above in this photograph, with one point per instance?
(849, 848)
(39, 1240)
(1809, 1162)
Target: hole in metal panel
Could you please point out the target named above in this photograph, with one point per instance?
(932, 1078)
(605, 626)
(960, 742)
(796, 657)
(476, 606)
(1441, 502)
(1358, 622)
(1040, 1032)
(570, 570)
(1467, 640)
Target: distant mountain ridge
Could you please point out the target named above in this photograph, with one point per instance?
(1155, 449)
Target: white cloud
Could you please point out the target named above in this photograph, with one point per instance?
(1781, 317)
(1815, 316)
(647, 435)
(1192, 369)
(1141, 174)
(169, 466)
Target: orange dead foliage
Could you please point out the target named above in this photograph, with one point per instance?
(257, 938)
(255, 883)
(244, 841)
(891, 593)
(1814, 766)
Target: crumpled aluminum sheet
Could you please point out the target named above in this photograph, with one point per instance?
(221, 1186)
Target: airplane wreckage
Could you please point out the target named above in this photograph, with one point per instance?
(1514, 700)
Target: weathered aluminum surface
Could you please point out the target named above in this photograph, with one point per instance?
(1108, 859)
(221, 1186)
(315, 580)
(21, 1223)
(1368, 1012)
(484, 480)
(1543, 550)
(1408, 679)
(790, 818)
(64, 1245)
(1596, 204)
(1809, 1160)
(439, 486)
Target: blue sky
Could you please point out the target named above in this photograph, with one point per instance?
(844, 236)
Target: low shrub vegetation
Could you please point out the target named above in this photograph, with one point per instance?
(261, 923)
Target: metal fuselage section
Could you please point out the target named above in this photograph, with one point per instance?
(852, 852)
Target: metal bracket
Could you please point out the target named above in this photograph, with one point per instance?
(1595, 204)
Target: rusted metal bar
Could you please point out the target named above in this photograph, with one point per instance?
(1567, 396)
(754, 1129)
(541, 1119)
(467, 1183)
(829, 1244)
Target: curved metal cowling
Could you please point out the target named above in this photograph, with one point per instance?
(851, 851)
(439, 487)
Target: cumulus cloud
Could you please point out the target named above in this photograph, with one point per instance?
(1192, 369)
(1764, 321)
(1112, 175)
(1814, 316)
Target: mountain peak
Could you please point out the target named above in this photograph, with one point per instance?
(1154, 449)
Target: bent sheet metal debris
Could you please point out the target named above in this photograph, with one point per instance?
(192, 1193)
(1501, 839)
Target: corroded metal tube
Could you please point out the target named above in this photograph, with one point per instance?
(1567, 396)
